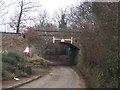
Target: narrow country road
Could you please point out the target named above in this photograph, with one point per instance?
(60, 77)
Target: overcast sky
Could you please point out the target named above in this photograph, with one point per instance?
(54, 5)
(50, 6)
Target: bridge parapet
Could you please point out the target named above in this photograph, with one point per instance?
(59, 33)
(48, 36)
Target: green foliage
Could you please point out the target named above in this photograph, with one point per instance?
(108, 22)
(99, 40)
(110, 76)
(28, 70)
(7, 74)
(13, 65)
(11, 58)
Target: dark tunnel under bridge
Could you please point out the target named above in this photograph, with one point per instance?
(63, 52)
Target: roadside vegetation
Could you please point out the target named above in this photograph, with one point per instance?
(14, 65)
(37, 62)
(99, 42)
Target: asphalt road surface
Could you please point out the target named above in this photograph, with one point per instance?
(60, 77)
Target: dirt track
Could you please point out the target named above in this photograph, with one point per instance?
(60, 77)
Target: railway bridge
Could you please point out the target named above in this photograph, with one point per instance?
(65, 43)
(50, 44)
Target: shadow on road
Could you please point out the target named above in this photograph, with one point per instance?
(60, 61)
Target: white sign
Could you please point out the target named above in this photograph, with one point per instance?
(27, 50)
(62, 40)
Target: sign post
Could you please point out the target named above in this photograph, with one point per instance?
(26, 52)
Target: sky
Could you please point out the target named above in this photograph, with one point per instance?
(54, 5)
(51, 6)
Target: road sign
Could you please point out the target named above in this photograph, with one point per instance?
(27, 50)
(62, 40)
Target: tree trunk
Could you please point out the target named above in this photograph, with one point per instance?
(19, 18)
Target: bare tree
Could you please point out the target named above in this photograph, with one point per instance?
(42, 20)
(4, 9)
(80, 16)
(58, 16)
(24, 7)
